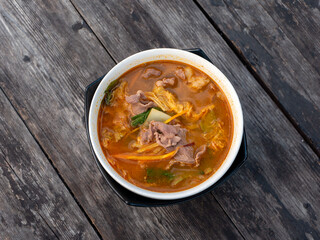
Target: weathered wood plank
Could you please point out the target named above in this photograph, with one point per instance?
(281, 40)
(48, 57)
(34, 203)
(19, 218)
(270, 196)
(300, 21)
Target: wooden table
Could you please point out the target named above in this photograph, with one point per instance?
(51, 50)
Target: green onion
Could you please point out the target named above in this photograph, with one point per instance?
(108, 92)
(157, 175)
(140, 118)
(169, 175)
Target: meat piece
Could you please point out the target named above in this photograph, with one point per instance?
(164, 134)
(139, 103)
(167, 141)
(184, 156)
(151, 72)
(180, 74)
(165, 82)
(169, 137)
(138, 97)
(146, 135)
(199, 153)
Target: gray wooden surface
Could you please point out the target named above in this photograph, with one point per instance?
(51, 50)
(34, 200)
(279, 40)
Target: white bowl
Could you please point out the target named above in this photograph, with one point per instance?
(180, 56)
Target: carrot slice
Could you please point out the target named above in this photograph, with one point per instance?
(134, 130)
(148, 147)
(175, 116)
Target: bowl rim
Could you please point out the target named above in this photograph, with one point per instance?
(179, 56)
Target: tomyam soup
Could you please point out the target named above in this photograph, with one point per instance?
(165, 126)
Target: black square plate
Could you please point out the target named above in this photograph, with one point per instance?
(133, 199)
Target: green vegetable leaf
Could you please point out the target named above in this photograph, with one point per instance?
(108, 92)
(206, 123)
(169, 175)
(141, 118)
(158, 175)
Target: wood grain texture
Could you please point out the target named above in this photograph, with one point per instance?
(276, 194)
(18, 215)
(281, 40)
(49, 56)
(34, 203)
(300, 21)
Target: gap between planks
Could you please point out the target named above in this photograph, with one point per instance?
(55, 169)
(212, 193)
(91, 30)
(259, 79)
(16, 175)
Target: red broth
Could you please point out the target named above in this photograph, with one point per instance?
(213, 130)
